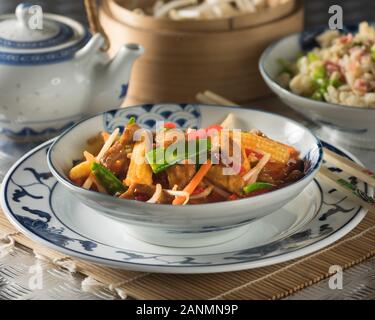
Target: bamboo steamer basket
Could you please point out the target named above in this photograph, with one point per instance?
(184, 57)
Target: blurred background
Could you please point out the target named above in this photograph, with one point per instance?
(316, 11)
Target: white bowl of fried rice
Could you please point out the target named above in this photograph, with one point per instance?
(329, 77)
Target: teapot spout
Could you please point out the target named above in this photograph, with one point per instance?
(112, 79)
(125, 58)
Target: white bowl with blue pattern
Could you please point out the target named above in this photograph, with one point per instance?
(190, 225)
(345, 124)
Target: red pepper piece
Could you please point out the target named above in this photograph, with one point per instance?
(232, 197)
(169, 125)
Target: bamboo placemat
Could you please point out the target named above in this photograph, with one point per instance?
(273, 282)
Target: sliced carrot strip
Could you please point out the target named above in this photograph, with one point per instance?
(194, 182)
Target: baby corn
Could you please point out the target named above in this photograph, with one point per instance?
(81, 170)
(139, 170)
(278, 151)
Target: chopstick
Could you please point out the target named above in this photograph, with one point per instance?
(348, 189)
(348, 166)
(213, 98)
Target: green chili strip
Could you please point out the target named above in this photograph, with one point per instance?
(160, 159)
(131, 120)
(107, 179)
(257, 186)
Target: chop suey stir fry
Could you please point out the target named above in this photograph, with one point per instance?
(209, 168)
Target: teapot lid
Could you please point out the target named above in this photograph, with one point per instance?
(32, 32)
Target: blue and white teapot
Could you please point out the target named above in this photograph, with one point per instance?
(53, 75)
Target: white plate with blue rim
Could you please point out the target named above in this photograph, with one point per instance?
(45, 211)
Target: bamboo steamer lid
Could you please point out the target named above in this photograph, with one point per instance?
(184, 57)
(122, 10)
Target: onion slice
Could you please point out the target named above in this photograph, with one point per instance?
(218, 190)
(108, 143)
(101, 189)
(156, 196)
(89, 181)
(252, 175)
(179, 194)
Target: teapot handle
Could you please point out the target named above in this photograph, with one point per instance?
(94, 22)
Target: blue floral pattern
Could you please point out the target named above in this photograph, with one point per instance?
(12, 58)
(29, 188)
(184, 115)
(27, 131)
(37, 185)
(123, 91)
